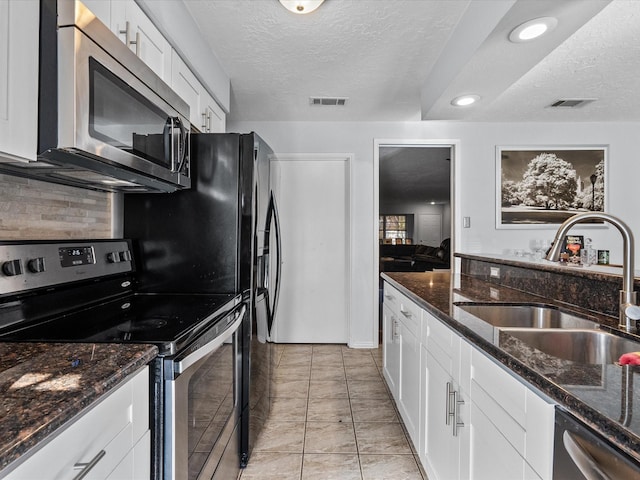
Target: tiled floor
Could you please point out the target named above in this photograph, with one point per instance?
(332, 418)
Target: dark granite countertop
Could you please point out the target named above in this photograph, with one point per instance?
(43, 386)
(594, 393)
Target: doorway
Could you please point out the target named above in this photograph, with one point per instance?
(413, 187)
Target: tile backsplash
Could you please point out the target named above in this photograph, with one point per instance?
(30, 209)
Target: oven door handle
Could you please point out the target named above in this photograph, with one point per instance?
(181, 365)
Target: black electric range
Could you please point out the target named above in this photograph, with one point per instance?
(84, 291)
(87, 291)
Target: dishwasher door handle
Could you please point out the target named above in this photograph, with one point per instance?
(583, 460)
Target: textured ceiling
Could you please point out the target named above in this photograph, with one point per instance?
(399, 60)
(375, 52)
(414, 174)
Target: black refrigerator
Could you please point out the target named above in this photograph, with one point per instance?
(221, 236)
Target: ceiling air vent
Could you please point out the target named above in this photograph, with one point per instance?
(572, 102)
(329, 101)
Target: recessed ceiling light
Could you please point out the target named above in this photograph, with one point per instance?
(465, 100)
(532, 29)
(301, 6)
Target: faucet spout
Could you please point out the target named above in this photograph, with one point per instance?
(627, 295)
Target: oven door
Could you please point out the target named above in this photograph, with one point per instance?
(202, 407)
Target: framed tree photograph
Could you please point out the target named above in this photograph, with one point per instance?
(543, 186)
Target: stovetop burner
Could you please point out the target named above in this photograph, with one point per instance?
(144, 324)
(169, 321)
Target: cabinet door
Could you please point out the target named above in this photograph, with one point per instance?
(444, 448)
(213, 117)
(19, 19)
(491, 455)
(391, 350)
(133, 27)
(185, 84)
(409, 388)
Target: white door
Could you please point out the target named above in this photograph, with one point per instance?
(313, 203)
(429, 229)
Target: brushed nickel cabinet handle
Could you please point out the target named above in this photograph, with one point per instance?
(126, 33)
(449, 411)
(456, 403)
(85, 468)
(136, 42)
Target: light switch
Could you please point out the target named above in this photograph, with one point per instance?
(466, 222)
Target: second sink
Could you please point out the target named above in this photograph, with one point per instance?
(581, 346)
(525, 316)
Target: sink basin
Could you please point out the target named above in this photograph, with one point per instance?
(525, 316)
(579, 345)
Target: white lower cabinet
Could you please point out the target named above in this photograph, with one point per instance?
(401, 356)
(110, 441)
(446, 403)
(409, 388)
(474, 418)
(511, 418)
(391, 339)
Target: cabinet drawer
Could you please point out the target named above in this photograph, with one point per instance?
(441, 337)
(410, 315)
(391, 297)
(107, 427)
(507, 392)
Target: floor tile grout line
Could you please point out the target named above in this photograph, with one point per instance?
(353, 420)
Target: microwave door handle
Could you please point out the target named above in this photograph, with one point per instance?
(182, 146)
(169, 143)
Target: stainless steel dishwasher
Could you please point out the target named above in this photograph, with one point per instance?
(580, 453)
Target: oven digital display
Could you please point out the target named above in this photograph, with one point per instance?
(75, 256)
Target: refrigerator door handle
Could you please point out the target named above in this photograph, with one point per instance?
(276, 221)
(272, 295)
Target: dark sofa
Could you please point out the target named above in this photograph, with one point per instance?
(415, 258)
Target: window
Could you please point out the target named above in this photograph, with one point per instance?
(393, 226)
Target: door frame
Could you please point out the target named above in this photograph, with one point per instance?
(454, 145)
(348, 158)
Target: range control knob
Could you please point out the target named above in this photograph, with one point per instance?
(12, 268)
(125, 256)
(113, 257)
(36, 265)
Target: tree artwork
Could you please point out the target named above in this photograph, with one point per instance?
(592, 197)
(549, 182)
(548, 186)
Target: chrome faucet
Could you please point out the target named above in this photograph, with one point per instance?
(628, 301)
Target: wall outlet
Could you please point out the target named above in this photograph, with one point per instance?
(494, 272)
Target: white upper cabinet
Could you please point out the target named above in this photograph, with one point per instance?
(213, 117)
(18, 79)
(187, 86)
(134, 28)
(204, 113)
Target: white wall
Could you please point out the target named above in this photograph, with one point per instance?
(475, 182)
(400, 208)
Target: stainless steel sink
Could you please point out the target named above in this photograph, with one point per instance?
(580, 345)
(525, 316)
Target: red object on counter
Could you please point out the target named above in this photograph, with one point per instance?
(631, 358)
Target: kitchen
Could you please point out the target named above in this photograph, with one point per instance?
(474, 173)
